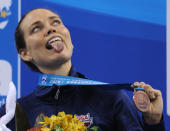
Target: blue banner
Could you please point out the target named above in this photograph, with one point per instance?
(8, 54)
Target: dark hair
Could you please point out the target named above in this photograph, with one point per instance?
(20, 41)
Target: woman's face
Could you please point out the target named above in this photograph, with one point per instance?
(40, 28)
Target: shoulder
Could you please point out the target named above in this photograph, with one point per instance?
(102, 91)
(100, 94)
(28, 100)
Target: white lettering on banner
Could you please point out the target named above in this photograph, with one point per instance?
(168, 58)
(5, 78)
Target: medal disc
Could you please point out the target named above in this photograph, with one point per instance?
(141, 101)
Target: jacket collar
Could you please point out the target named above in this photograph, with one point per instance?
(42, 91)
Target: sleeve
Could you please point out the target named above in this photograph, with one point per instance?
(156, 127)
(126, 116)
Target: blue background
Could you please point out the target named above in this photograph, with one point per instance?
(7, 45)
(115, 41)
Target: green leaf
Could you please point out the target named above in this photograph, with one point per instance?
(58, 128)
(94, 128)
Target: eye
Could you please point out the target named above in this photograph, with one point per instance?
(56, 22)
(35, 29)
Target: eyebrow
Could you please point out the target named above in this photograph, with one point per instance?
(38, 22)
(53, 17)
(35, 23)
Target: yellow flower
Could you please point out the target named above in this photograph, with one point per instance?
(45, 122)
(65, 121)
(53, 121)
(45, 129)
(61, 114)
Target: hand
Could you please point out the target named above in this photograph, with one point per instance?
(154, 113)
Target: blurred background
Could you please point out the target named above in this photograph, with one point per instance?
(114, 41)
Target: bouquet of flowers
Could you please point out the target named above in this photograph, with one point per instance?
(61, 122)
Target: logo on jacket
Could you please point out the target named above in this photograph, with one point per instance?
(4, 12)
(86, 119)
(44, 79)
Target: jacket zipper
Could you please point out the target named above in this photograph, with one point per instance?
(57, 93)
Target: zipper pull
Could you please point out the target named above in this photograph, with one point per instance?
(57, 93)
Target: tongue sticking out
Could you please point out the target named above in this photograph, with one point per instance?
(58, 47)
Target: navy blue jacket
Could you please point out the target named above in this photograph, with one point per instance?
(108, 109)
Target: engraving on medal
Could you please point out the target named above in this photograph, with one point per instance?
(141, 101)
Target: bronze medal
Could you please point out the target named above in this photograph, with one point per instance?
(141, 101)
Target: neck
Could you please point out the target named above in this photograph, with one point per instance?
(63, 69)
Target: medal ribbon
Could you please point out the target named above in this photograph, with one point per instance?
(51, 79)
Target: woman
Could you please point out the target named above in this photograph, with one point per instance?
(45, 45)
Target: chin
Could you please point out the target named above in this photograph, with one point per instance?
(62, 60)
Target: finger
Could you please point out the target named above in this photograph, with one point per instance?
(149, 90)
(142, 83)
(152, 93)
(138, 84)
(157, 93)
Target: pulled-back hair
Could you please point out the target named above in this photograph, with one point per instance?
(20, 41)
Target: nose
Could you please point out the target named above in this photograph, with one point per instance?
(50, 31)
